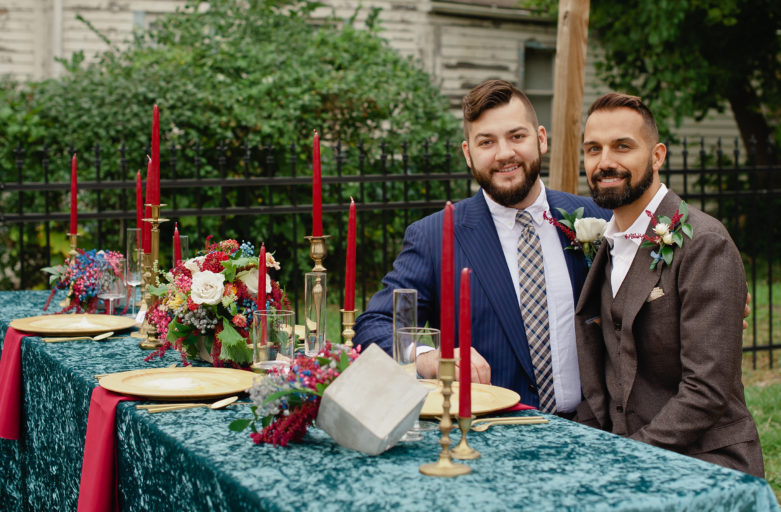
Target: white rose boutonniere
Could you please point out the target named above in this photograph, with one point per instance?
(584, 233)
(207, 287)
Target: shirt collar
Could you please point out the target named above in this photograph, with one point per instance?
(506, 216)
(640, 225)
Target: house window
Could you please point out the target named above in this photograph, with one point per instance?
(537, 79)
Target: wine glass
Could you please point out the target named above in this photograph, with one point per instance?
(112, 283)
(133, 262)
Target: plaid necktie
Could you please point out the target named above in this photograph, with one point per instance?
(534, 309)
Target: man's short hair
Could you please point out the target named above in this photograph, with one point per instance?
(491, 94)
(614, 100)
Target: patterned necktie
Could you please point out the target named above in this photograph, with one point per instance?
(534, 309)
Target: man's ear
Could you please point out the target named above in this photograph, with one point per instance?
(658, 154)
(542, 137)
(465, 150)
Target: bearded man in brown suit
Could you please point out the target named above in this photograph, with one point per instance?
(659, 349)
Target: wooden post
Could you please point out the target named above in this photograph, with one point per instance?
(568, 82)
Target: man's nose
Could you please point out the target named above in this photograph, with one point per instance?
(504, 150)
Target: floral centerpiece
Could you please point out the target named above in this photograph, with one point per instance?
(204, 305)
(82, 277)
(584, 233)
(286, 401)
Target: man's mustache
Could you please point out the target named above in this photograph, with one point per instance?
(610, 173)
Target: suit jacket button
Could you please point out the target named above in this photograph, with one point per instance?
(620, 408)
(532, 388)
(617, 326)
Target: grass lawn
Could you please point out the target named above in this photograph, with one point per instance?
(763, 396)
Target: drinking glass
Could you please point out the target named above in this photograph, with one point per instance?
(111, 284)
(184, 248)
(273, 338)
(314, 312)
(134, 258)
(405, 311)
(411, 343)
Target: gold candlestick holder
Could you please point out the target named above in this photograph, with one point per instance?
(463, 451)
(348, 320)
(150, 341)
(73, 252)
(318, 251)
(445, 465)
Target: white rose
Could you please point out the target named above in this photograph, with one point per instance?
(194, 264)
(207, 287)
(667, 238)
(589, 229)
(661, 229)
(250, 280)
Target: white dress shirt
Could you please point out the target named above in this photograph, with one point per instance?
(561, 309)
(622, 249)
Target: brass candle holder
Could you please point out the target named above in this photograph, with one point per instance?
(73, 252)
(348, 320)
(318, 251)
(463, 451)
(150, 341)
(445, 465)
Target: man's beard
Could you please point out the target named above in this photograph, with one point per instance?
(613, 198)
(509, 197)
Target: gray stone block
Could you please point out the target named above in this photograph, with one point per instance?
(372, 404)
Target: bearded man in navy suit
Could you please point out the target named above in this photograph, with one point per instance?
(503, 148)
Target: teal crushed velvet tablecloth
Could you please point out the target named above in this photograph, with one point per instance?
(189, 460)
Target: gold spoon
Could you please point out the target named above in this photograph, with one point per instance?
(219, 404)
(99, 337)
(482, 427)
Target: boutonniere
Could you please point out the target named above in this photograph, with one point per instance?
(584, 234)
(667, 234)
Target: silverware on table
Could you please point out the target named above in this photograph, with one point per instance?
(99, 337)
(219, 404)
(484, 424)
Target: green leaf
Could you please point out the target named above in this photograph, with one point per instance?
(234, 346)
(158, 291)
(663, 219)
(239, 425)
(667, 254)
(678, 239)
(683, 209)
(688, 230)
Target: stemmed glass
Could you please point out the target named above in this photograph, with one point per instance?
(133, 262)
(112, 283)
(411, 343)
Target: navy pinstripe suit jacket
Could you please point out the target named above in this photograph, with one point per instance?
(497, 327)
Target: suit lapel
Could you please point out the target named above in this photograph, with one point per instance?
(476, 236)
(576, 261)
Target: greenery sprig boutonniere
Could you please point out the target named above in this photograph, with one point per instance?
(584, 234)
(667, 234)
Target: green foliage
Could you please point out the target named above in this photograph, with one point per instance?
(260, 72)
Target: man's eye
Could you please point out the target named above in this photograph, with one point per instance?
(484, 143)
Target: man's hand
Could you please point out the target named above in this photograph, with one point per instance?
(747, 310)
(481, 371)
(428, 364)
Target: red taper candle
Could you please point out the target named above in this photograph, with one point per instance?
(74, 228)
(147, 241)
(262, 277)
(464, 345)
(155, 156)
(349, 271)
(177, 245)
(139, 209)
(317, 190)
(446, 301)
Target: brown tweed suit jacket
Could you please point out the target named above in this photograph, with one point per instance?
(672, 377)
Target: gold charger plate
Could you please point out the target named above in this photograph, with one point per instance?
(485, 399)
(79, 324)
(179, 383)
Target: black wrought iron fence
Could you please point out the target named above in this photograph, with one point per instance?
(264, 194)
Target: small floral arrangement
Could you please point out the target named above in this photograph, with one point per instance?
(210, 299)
(584, 234)
(667, 233)
(83, 278)
(286, 400)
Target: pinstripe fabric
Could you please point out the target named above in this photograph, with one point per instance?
(534, 309)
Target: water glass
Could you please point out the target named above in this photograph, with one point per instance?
(411, 344)
(273, 337)
(134, 257)
(111, 284)
(405, 313)
(314, 312)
